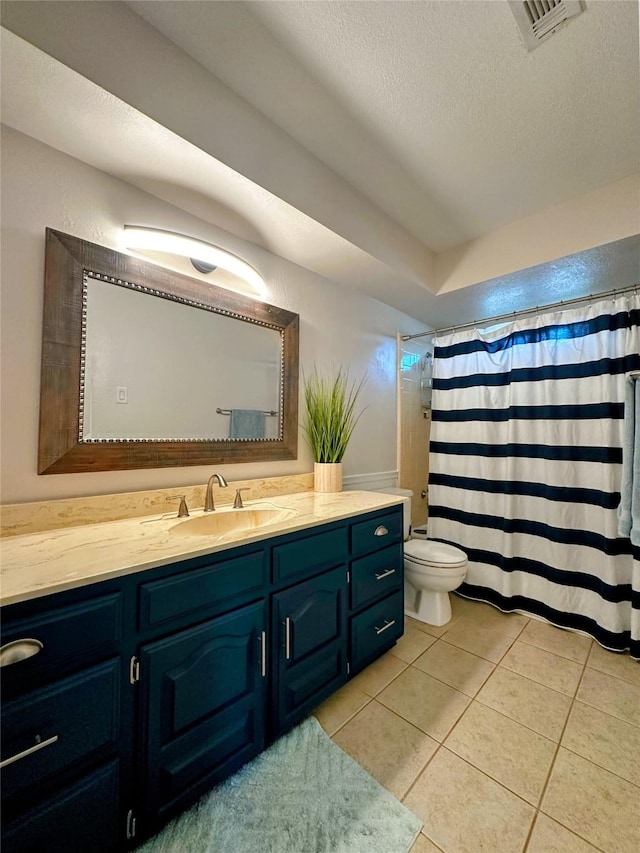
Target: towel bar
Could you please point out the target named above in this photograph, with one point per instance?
(272, 413)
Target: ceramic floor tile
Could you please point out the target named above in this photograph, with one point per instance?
(388, 747)
(340, 707)
(489, 644)
(431, 630)
(605, 740)
(505, 750)
(457, 668)
(490, 618)
(461, 606)
(600, 807)
(412, 644)
(425, 702)
(620, 665)
(544, 667)
(539, 708)
(464, 811)
(611, 695)
(378, 674)
(424, 845)
(548, 836)
(567, 644)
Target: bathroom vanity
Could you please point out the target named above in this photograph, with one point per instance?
(158, 675)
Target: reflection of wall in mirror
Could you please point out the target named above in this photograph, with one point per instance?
(177, 363)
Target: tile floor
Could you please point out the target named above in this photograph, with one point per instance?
(504, 734)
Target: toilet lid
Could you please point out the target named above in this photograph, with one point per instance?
(434, 553)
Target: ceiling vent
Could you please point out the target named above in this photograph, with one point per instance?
(539, 19)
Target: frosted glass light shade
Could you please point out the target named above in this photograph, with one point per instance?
(155, 239)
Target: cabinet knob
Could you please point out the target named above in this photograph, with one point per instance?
(19, 650)
(381, 530)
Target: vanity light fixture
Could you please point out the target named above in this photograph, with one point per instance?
(204, 256)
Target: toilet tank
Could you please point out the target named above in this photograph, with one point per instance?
(406, 495)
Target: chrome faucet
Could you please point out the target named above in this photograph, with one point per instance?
(208, 501)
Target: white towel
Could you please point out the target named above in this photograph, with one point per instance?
(629, 506)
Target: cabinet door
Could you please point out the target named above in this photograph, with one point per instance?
(204, 706)
(310, 659)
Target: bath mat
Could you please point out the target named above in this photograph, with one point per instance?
(302, 795)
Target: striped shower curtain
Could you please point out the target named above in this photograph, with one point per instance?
(525, 466)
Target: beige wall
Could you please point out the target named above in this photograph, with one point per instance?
(42, 187)
(603, 216)
(415, 426)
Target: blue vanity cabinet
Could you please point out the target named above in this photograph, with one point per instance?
(148, 689)
(202, 675)
(66, 722)
(309, 610)
(376, 586)
(203, 706)
(310, 653)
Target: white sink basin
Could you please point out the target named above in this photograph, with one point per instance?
(221, 523)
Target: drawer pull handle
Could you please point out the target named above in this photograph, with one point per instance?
(385, 626)
(19, 650)
(40, 744)
(381, 530)
(384, 575)
(287, 638)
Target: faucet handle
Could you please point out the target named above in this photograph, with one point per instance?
(237, 504)
(183, 510)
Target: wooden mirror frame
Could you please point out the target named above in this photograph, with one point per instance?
(61, 449)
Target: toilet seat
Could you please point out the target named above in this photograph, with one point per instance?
(428, 552)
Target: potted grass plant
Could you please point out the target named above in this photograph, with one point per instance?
(330, 420)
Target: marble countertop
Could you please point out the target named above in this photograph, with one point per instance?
(39, 564)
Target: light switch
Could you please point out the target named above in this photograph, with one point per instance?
(122, 394)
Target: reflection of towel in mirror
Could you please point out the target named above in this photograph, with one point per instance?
(629, 507)
(246, 423)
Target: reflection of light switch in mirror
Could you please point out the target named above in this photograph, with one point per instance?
(122, 394)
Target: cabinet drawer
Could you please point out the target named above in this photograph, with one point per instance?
(49, 729)
(375, 533)
(376, 576)
(210, 590)
(310, 554)
(71, 635)
(83, 817)
(374, 629)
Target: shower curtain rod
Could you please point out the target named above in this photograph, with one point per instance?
(563, 303)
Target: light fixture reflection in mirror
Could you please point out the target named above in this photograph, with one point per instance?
(203, 257)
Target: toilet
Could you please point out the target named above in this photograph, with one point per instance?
(431, 570)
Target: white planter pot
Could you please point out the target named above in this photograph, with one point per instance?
(327, 476)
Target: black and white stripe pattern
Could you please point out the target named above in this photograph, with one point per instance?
(525, 463)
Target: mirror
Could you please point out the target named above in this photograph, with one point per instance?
(143, 367)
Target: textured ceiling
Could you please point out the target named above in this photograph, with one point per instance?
(436, 111)
(361, 139)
